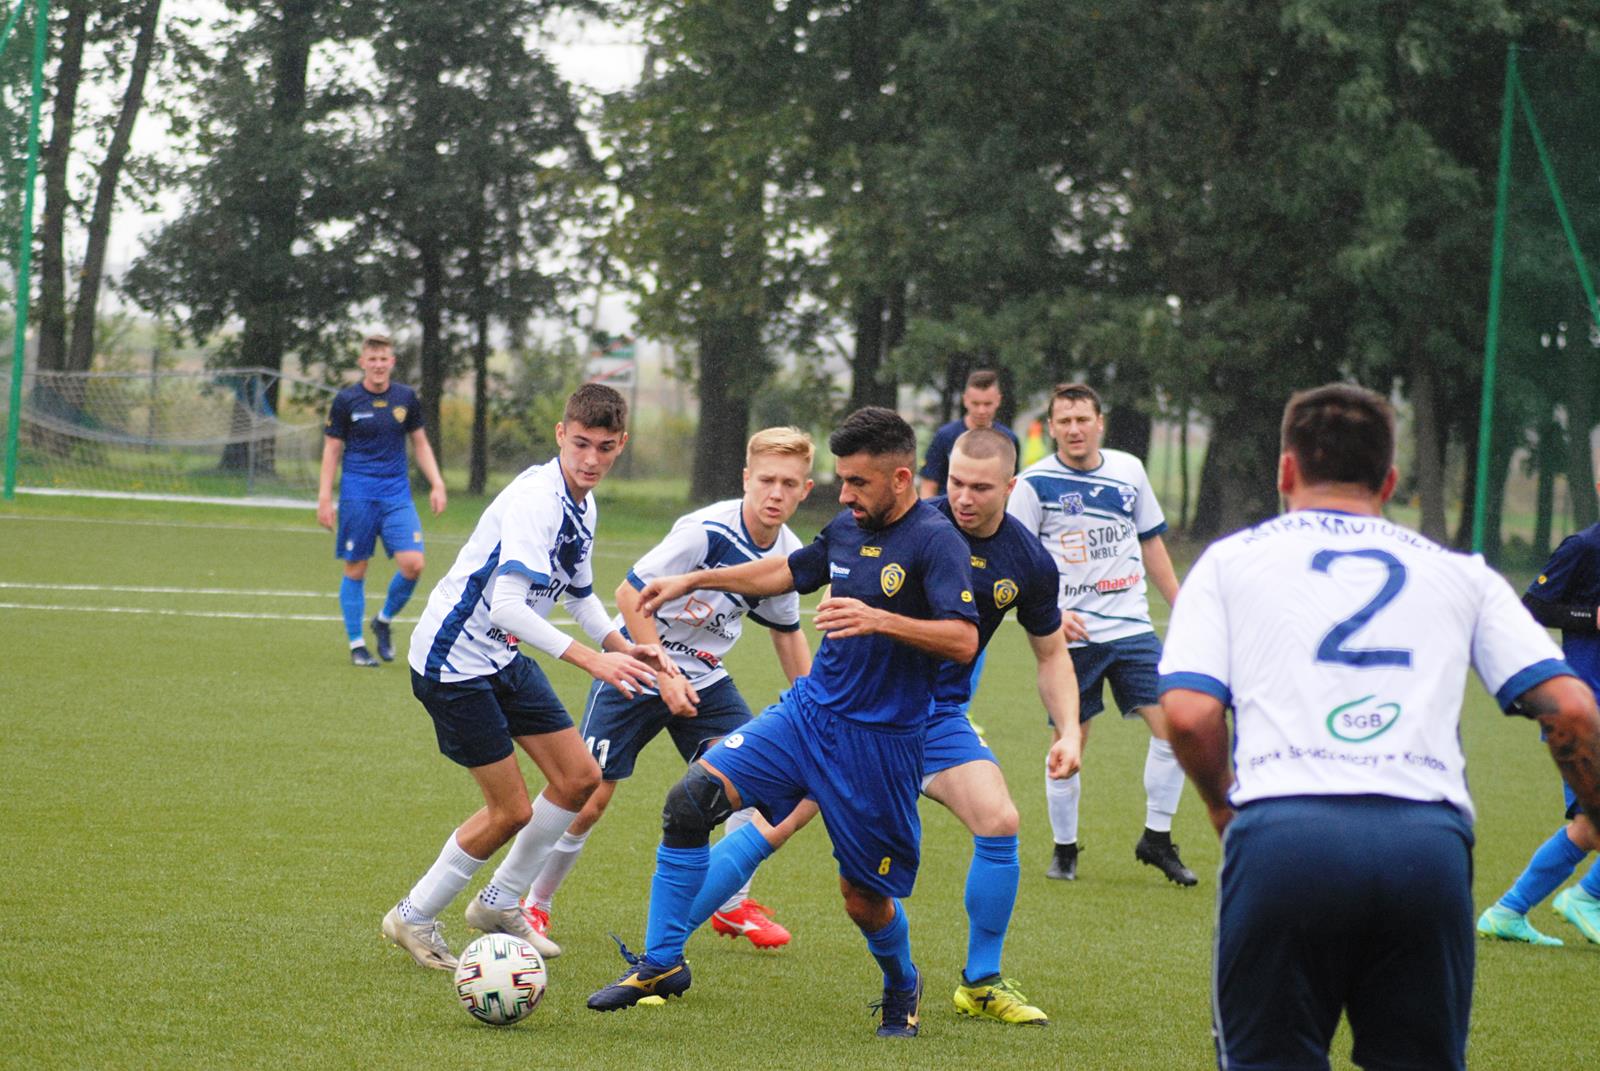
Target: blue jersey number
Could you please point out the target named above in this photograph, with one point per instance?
(1332, 648)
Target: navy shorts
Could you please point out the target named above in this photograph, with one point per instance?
(615, 728)
(951, 741)
(363, 520)
(865, 781)
(476, 719)
(1129, 664)
(1354, 903)
(1574, 808)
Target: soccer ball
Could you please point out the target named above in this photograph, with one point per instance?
(500, 979)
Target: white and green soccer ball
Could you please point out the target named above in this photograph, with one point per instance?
(500, 979)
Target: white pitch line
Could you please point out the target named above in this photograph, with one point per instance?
(227, 614)
(133, 589)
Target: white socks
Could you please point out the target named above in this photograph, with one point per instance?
(738, 820)
(527, 854)
(563, 857)
(443, 882)
(1061, 799)
(1163, 784)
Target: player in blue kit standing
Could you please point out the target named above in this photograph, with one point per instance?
(1565, 596)
(486, 698)
(981, 402)
(1342, 641)
(850, 735)
(1009, 570)
(1096, 513)
(368, 425)
(697, 631)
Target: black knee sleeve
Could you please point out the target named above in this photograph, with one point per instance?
(696, 805)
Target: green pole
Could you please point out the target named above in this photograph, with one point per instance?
(1491, 341)
(41, 33)
(5, 34)
(1561, 204)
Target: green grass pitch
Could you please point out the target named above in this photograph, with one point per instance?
(205, 812)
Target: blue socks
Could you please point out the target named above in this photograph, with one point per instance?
(991, 894)
(353, 602)
(733, 860)
(679, 874)
(891, 947)
(1552, 864)
(1591, 881)
(400, 590)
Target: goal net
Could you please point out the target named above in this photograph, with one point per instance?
(236, 433)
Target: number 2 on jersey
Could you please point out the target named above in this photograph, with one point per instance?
(1332, 648)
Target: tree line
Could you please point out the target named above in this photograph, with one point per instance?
(1198, 207)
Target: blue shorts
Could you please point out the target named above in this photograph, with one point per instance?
(1354, 903)
(615, 728)
(363, 520)
(951, 741)
(1129, 664)
(1574, 808)
(866, 782)
(476, 719)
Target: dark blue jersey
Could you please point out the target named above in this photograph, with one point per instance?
(1009, 569)
(374, 429)
(916, 567)
(1572, 577)
(936, 466)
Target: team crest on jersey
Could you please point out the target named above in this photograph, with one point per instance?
(399, 414)
(1072, 503)
(892, 577)
(1129, 497)
(1005, 592)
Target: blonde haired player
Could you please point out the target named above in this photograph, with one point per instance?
(697, 631)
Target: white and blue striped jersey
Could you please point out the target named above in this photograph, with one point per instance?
(1093, 522)
(699, 629)
(533, 527)
(1342, 642)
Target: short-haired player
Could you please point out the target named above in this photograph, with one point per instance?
(980, 404)
(849, 735)
(701, 704)
(369, 424)
(1342, 641)
(1010, 570)
(486, 698)
(1095, 512)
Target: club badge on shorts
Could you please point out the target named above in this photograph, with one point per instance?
(892, 576)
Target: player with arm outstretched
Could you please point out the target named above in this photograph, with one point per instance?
(368, 426)
(849, 735)
(1565, 596)
(530, 548)
(1010, 571)
(1095, 512)
(696, 631)
(1342, 642)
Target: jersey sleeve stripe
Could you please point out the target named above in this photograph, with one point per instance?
(1195, 682)
(1531, 677)
(538, 579)
(1152, 533)
(773, 625)
(633, 578)
(581, 592)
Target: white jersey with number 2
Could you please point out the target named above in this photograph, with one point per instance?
(1342, 642)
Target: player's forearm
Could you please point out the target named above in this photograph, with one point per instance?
(427, 464)
(794, 654)
(332, 452)
(1566, 616)
(1197, 729)
(952, 639)
(1565, 708)
(762, 577)
(1158, 567)
(1058, 689)
(641, 626)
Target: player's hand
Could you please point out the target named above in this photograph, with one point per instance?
(662, 590)
(436, 499)
(842, 617)
(679, 696)
(1064, 759)
(623, 672)
(652, 655)
(1220, 817)
(325, 514)
(1074, 627)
